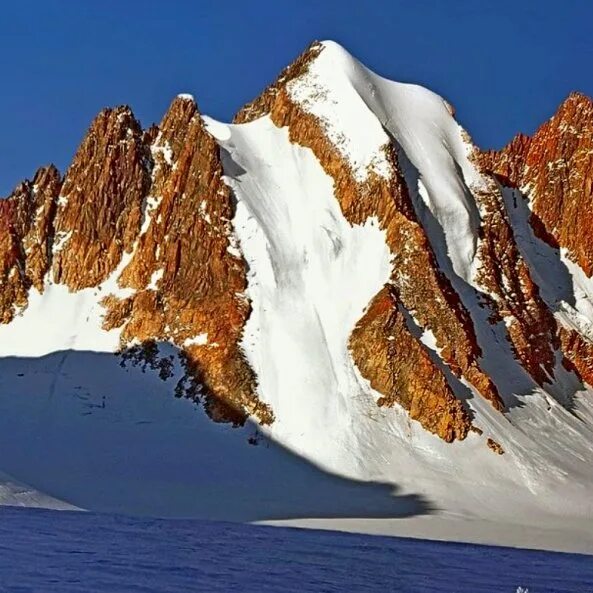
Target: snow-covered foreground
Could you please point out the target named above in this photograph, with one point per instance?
(77, 427)
(45, 551)
(13, 493)
(555, 534)
(82, 431)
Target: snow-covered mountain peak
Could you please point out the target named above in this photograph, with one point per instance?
(362, 113)
(339, 271)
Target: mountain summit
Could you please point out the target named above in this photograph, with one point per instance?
(339, 273)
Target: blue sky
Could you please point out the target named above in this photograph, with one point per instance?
(505, 65)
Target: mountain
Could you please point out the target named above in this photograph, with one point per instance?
(336, 306)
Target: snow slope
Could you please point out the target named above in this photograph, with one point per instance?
(76, 425)
(303, 257)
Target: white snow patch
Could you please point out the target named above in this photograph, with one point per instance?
(154, 279)
(328, 92)
(429, 340)
(60, 240)
(203, 213)
(199, 340)
(564, 285)
(582, 287)
(234, 250)
(58, 319)
(219, 130)
(152, 203)
(15, 494)
(164, 150)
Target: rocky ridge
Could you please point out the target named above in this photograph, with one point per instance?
(552, 173)
(151, 207)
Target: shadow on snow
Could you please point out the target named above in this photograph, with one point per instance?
(79, 427)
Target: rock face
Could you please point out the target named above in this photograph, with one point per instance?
(150, 209)
(153, 204)
(398, 366)
(99, 210)
(187, 279)
(553, 168)
(554, 172)
(26, 239)
(512, 294)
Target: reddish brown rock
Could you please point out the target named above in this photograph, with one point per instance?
(157, 196)
(100, 206)
(514, 296)
(555, 170)
(578, 353)
(188, 280)
(494, 446)
(14, 284)
(398, 366)
(26, 235)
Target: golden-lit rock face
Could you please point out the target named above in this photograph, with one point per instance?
(399, 367)
(187, 279)
(554, 171)
(157, 199)
(151, 207)
(26, 238)
(100, 207)
(512, 294)
(578, 353)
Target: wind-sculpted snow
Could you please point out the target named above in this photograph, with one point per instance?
(378, 326)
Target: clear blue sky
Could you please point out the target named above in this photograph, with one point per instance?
(504, 64)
